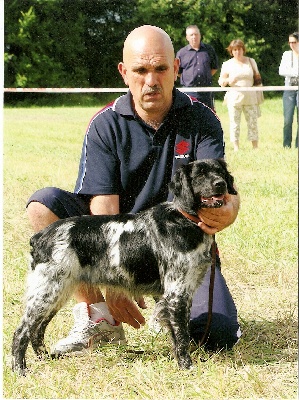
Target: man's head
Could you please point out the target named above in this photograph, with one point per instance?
(193, 36)
(150, 69)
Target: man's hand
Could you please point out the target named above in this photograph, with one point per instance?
(215, 219)
(123, 309)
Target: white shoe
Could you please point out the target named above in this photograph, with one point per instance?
(87, 334)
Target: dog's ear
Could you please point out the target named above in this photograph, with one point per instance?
(181, 188)
(228, 177)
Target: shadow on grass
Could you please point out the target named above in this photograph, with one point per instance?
(262, 342)
(266, 341)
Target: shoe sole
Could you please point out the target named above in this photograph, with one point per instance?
(87, 350)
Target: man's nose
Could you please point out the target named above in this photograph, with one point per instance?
(151, 79)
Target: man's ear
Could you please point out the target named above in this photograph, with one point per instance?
(123, 71)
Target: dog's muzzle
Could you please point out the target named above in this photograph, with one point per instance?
(215, 201)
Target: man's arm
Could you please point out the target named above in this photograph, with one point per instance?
(105, 204)
(122, 308)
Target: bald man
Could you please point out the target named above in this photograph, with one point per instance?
(131, 149)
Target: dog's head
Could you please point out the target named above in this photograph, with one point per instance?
(201, 184)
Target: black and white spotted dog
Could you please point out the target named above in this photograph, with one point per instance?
(158, 252)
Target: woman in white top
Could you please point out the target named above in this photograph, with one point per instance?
(289, 68)
(238, 72)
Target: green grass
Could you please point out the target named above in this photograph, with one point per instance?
(259, 256)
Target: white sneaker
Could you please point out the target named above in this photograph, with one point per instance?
(86, 334)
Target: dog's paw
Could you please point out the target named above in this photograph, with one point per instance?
(19, 369)
(185, 363)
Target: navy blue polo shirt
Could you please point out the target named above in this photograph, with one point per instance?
(196, 65)
(123, 155)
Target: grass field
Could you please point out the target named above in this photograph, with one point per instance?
(259, 256)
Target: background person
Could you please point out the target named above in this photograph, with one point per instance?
(198, 64)
(289, 68)
(238, 72)
(131, 149)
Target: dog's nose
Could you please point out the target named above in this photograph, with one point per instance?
(220, 185)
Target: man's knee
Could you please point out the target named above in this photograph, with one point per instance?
(39, 212)
(49, 204)
(224, 333)
(40, 216)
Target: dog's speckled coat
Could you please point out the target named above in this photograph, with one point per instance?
(155, 252)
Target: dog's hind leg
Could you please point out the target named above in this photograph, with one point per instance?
(31, 329)
(42, 307)
(37, 332)
(19, 346)
(47, 293)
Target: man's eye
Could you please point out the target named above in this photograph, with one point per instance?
(161, 68)
(140, 71)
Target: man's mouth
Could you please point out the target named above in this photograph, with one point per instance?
(215, 201)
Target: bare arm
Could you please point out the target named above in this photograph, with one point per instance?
(223, 79)
(122, 308)
(105, 204)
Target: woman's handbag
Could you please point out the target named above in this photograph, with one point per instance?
(257, 81)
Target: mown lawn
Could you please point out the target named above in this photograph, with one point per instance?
(259, 255)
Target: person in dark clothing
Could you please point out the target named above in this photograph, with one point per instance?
(131, 149)
(198, 64)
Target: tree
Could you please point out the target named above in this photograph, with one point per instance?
(62, 43)
(107, 25)
(273, 21)
(43, 44)
(69, 43)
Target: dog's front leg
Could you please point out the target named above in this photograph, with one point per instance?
(176, 316)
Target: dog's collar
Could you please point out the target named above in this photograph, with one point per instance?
(192, 218)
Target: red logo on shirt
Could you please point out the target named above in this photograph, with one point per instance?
(182, 147)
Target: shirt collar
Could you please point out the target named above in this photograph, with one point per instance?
(201, 46)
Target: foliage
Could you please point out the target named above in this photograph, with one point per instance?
(43, 44)
(63, 43)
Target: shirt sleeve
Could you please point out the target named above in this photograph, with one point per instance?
(214, 59)
(285, 67)
(224, 73)
(99, 164)
(178, 55)
(211, 143)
